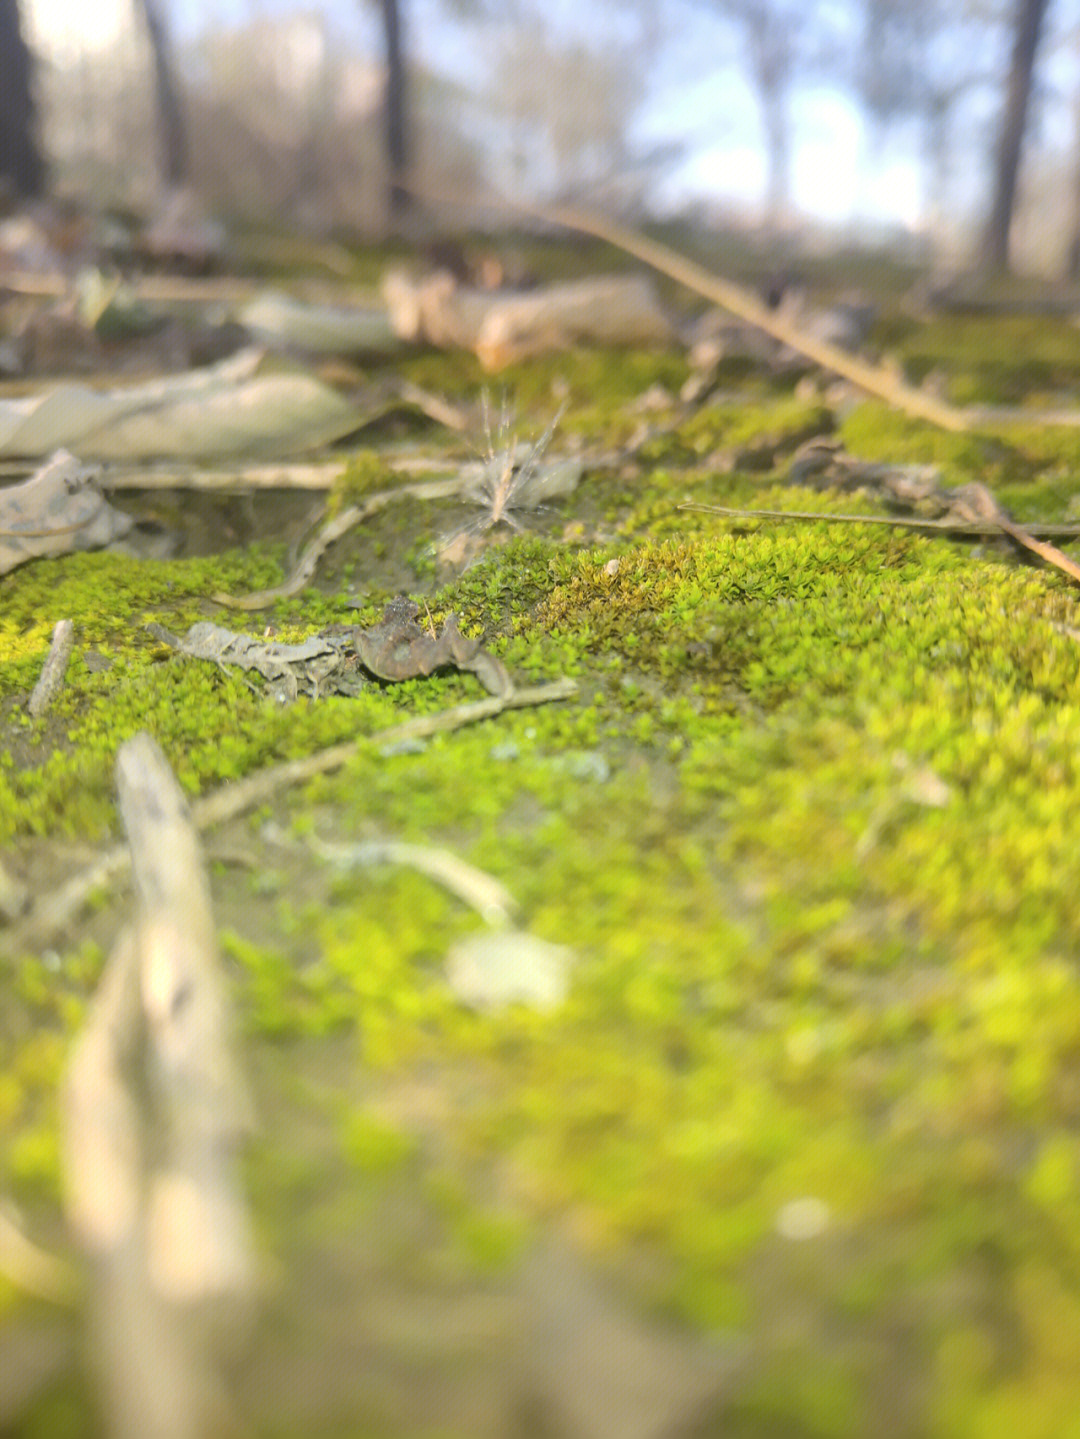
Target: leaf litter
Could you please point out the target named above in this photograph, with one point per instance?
(396, 648)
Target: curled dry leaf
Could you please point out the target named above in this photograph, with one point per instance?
(57, 510)
(398, 649)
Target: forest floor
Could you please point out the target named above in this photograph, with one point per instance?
(798, 1153)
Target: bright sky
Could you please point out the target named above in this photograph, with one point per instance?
(65, 30)
(835, 178)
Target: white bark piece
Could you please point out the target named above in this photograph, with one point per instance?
(493, 969)
(608, 310)
(280, 321)
(51, 679)
(154, 1109)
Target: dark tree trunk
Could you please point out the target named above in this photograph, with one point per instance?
(1028, 22)
(397, 147)
(172, 136)
(21, 166)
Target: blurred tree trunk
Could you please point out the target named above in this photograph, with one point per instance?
(395, 103)
(1028, 19)
(21, 165)
(1072, 257)
(172, 136)
(771, 42)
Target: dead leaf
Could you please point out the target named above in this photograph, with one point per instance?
(281, 322)
(224, 409)
(57, 510)
(398, 649)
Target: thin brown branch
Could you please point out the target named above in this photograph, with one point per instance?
(980, 501)
(874, 379)
(912, 522)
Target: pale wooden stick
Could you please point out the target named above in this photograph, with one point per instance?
(492, 900)
(154, 1109)
(318, 476)
(198, 1244)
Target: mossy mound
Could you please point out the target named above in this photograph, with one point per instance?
(809, 831)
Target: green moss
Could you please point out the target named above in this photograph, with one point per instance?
(775, 425)
(375, 1148)
(363, 472)
(1001, 360)
(874, 432)
(809, 828)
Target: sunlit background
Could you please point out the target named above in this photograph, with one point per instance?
(648, 106)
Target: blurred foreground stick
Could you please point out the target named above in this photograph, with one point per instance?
(154, 1111)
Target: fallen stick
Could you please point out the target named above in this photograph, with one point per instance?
(982, 504)
(874, 379)
(154, 1110)
(971, 499)
(321, 476)
(911, 522)
(492, 900)
(50, 915)
(148, 287)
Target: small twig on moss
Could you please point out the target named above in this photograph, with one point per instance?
(332, 531)
(912, 522)
(975, 509)
(492, 900)
(51, 913)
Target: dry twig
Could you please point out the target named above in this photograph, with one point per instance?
(54, 911)
(971, 510)
(910, 522)
(332, 531)
(492, 900)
